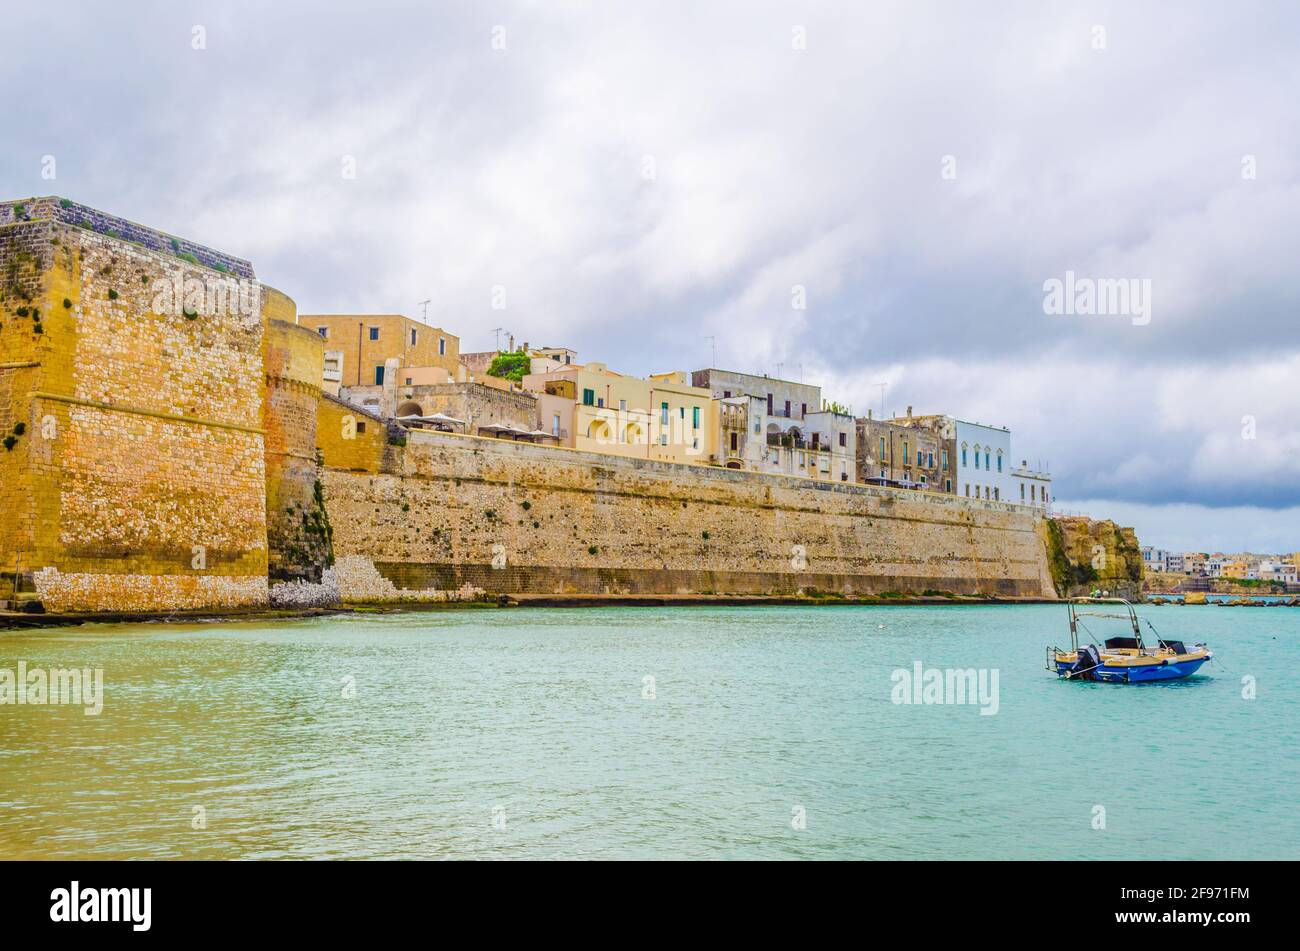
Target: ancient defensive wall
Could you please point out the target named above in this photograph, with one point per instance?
(450, 511)
(134, 471)
(165, 451)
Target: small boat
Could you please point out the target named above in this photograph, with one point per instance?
(1125, 660)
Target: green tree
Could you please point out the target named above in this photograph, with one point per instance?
(510, 366)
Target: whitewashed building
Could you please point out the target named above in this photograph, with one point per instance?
(1033, 486)
(1155, 559)
(984, 462)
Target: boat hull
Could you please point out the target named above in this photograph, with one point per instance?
(1146, 673)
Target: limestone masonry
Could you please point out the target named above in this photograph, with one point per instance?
(167, 446)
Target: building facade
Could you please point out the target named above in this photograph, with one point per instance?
(661, 417)
(895, 452)
(1155, 559)
(983, 461)
(366, 342)
(1034, 488)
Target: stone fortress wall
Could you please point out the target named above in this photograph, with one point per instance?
(139, 479)
(449, 511)
(166, 458)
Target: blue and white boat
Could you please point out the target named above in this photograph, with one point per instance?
(1125, 659)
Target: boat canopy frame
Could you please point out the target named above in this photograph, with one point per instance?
(1074, 604)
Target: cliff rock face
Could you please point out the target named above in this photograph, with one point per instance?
(1088, 556)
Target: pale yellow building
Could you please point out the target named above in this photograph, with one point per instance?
(590, 406)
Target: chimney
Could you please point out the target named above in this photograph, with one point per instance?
(511, 347)
(868, 414)
(909, 412)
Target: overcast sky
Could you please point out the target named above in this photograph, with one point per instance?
(640, 176)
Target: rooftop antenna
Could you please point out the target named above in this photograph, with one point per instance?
(497, 331)
(425, 304)
(778, 369)
(714, 341)
(882, 398)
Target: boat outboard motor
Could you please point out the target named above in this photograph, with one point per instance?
(1087, 663)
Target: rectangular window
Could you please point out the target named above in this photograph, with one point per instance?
(986, 459)
(408, 381)
(803, 410)
(324, 332)
(1022, 492)
(844, 439)
(882, 448)
(663, 414)
(412, 336)
(906, 457)
(588, 397)
(945, 460)
(374, 333)
(968, 490)
(947, 485)
(663, 439)
(769, 404)
(442, 344)
(726, 394)
(379, 375)
(695, 417)
(600, 403)
(622, 406)
(977, 460)
(787, 409)
(1031, 492)
(999, 463)
(735, 442)
(929, 459)
(555, 424)
(361, 427)
(920, 457)
(963, 457)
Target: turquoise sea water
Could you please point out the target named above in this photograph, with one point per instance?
(529, 734)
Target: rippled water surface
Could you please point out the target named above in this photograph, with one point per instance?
(528, 734)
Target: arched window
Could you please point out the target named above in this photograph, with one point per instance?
(999, 460)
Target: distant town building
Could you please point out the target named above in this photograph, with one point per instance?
(1155, 559)
(1277, 569)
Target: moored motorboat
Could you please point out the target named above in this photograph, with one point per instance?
(1125, 659)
